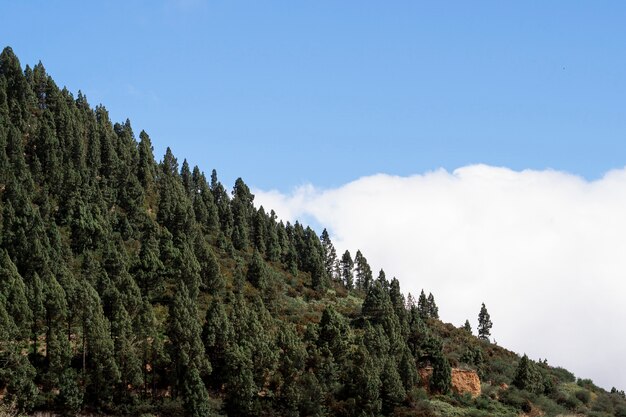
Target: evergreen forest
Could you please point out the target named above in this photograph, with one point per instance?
(136, 287)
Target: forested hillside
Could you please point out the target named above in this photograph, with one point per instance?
(135, 287)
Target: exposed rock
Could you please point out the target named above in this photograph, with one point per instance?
(463, 380)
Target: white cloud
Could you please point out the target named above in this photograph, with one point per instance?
(545, 251)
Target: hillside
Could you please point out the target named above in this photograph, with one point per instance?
(135, 287)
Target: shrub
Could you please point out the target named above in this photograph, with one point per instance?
(563, 375)
(620, 411)
(550, 407)
(422, 409)
(585, 383)
(477, 413)
(571, 402)
(603, 406)
(584, 396)
(516, 398)
(417, 394)
(483, 402)
(490, 391)
(599, 414)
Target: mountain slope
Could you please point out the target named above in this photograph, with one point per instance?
(129, 286)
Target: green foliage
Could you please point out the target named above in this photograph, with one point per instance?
(241, 389)
(13, 294)
(194, 394)
(583, 396)
(186, 348)
(70, 398)
(347, 274)
(484, 323)
(467, 327)
(442, 374)
(528, 376)
(433, 310)
(218, 337)
(257, 272)
(364, 384)
(362, 272)
(17, 375)
(330, 255)
(408, 370)
(473, 355)
(426, 306)
(392, 389)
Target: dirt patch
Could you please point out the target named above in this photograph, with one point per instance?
(463, 380)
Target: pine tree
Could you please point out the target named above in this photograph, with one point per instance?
(273, 245)
(57, 342)
(377, 305)
(527, 376)
(330, 254)
(99, 363)
(442, 374)
(292, 361)
(408, 370)
(398, 301)
(16, 373)
(70, 398)
(423, 306)
(257, 272)
(484, 324)
(260, 230)
(186, 178)
(311, 256)
(204, 203)
(146, 170)
(243, 211)
(467, 327)
(218, 337)
(410, 302)
(347, 275)
(35, 294)
(210, 275)
(222, 202)
(127, 358)
(392, 390)
(362, 272)
(473, 356)
(148, 270)
(241, 390)
(194, 394)
(433, 310)
(333, 333)
(148, 342)
(188, 270)
(13, 290)
(184, 330)
(364, 384)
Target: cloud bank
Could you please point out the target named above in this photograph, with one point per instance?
(544, 250)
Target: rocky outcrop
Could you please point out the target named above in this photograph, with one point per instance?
(463, 380)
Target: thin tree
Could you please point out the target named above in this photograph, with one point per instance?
(484, 323)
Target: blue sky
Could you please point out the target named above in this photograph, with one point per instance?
(286, 93)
